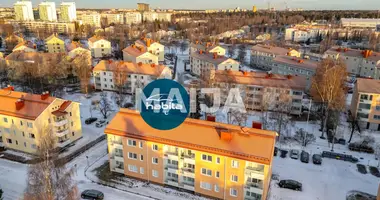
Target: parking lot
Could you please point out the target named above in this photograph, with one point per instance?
(330, 181)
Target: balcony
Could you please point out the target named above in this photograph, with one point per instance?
(60, 123)
(119, 170)
(119, 157)
(172, 182)
(63, 143)
(363, 110)
(254, 190)
(172, 155)
(255, 185)
(117, 144)
(61, 133)
(172, 169)
(189, 172)
(189, 187)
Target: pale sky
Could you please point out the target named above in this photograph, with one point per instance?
(222, 4)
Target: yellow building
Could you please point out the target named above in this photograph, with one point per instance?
(24, 116)
(54, 44)
(254, 9)
(211, 159)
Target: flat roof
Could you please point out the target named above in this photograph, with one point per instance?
(375, 56)
(271, 49)
(129, 67)
(365, 85)
(209, 57)
(250, 144)
(305, 63)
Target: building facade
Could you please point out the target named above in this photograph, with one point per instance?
(48, 27)
(262, 55)
(24, 116)
(47, 11)
(92, 19)
(113, 18)
(361, 63)
(150, 16)
(263, 91)
(201, 63)
(23, 11)
(287, 65)
(137, 55)
(152, 47)
(136, 75)
(207, 47)
(133, 18)
(68, 12)
(196, 156)
(164, 16)
(99, 46)
(143, 7)
(359, 23)
(54, 44)
(365, 103)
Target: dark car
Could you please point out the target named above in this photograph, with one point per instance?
(361, 168)
(317, 159)
(90, 120)
(374, 171)
(290, 184)
(92, 194)
(305, 157)
(283, 153)
(275, 151)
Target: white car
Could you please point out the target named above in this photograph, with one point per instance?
(101, 123)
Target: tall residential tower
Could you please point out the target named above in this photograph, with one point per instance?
(68, 12)
(23, 11)
(47, 11)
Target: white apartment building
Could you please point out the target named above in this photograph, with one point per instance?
(137, 75)
(150, 16)
(136, 54)
(207, 47)
(23, 11)
(133, 18)
(113, 18)
(92, 19)
(49, 27)
(361, 63)
(23, 116)
(26, 46)
(201, 63)
(260, 87)
(47, 11)
(99, 46)
(287, 65)
(164, 16)
(359, 23)
(68, 12)
(303, 34)
(262, 55)
(152, 47)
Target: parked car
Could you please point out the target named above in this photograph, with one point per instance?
(317, 159)
(294, 154)
(339, 156)
(90, 120)
(305, 157)
(275, 151)
(342, 141)
(92, 194)
(374, 171)
(283, 153)
(290, 184)
(101, 123)
(360, 148)
(361, 168)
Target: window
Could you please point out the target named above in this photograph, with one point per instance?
(154, 173)
(297, 93)
(31, 135)
(234, 178)
(377, 108)
(218, 160)
(364, 97)
(296, 100)
(141, 144)
(155, 147)
(141, 157)
(364, 106)
(217, 174)
(234, 164)
(206, 172)
(72, 123)
(216, 188)
(206, 186)
(23, 134)
(132, 143)
(24, 144)
(206, 157)
(9, 141)
(49, 120)
(71, 114)
(132, 168)
(5, 120)
(7, 130)
(233, 192)
(33, 146)
(132, 155)
(141, 170)
(21, 123)
(16, 142)
(72, 133)
(377, 117)
(30, 125)
(155, 160)
(363, 115)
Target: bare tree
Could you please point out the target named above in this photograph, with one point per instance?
(231, 51)
(267, 101)
(83, 71)
(184, 46)
(303, 137)
(353, 123)
(242, 53)
(120, 81)
(377, 154)
(328, 87)
(104, 105)
(281, 111)
(49, 179)
(373, 41)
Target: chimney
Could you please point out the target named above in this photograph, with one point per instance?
(139, 64)
(225, 135)
(300, 61)
(201, 52)
(215, 55)
(245, 73)
(210, 118)
(109, 61)
(256, 125)
(153, 65)
(20, 103)
(345, 50)
(196, 42)
(9, 88)
(289, 76)
(44, 95)
(148, 42)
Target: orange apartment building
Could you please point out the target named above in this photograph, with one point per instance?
(212, 159)
(365, 103)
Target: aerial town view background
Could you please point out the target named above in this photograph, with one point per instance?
(164, 100)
